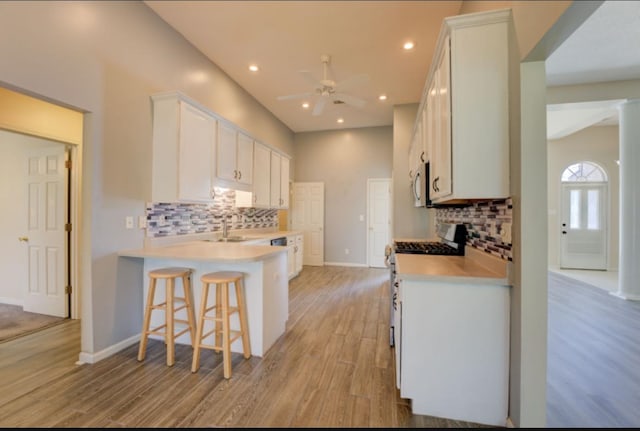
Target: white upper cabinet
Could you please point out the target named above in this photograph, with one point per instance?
(262, 176)
(184, 140)
(279, 181)
(234, 158)
(195, 150)
(467, 100)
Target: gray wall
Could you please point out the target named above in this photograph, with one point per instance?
(106, 59)
(343, 160)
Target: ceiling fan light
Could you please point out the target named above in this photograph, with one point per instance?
(305, 105)
(382, 97)
(254, 67)
(408, 45)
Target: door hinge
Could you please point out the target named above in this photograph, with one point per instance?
(67, 164)
(67, 227)
(67, 290)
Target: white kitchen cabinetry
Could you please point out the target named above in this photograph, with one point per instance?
(295, 254)
(234, 158)
(468, 97)
(184, 140)
(279, 181)
(299, 252)
(291, 256)
(262, 176)
(453, 349)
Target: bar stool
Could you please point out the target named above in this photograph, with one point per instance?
(170, 306)
(222, 311)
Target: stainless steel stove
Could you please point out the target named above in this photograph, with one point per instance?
(452, 239)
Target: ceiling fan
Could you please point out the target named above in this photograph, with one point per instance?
(328, 89)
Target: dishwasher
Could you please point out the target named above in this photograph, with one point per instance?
(279, 241)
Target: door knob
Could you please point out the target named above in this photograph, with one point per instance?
(23, 239)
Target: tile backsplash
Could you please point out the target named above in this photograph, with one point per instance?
(488, 225)
(177, 218)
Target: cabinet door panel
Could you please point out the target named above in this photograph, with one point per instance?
(284, 182)
(275, 180)
(262, 176)
(245, 159)
(195, 156)
(226, 152)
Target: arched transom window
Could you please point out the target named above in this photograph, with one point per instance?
(584, 172)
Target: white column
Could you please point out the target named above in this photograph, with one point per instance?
(629, 268)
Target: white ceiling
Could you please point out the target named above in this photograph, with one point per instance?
(366, 37)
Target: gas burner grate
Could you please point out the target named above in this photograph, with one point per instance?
(423, 247)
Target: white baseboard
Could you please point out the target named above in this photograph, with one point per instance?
(359, 265)
(11, 301)
(92, 358)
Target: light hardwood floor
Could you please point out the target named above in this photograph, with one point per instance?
(593, 344)
(332, 368)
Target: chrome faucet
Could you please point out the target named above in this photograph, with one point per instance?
(225, 230)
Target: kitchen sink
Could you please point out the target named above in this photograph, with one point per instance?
(233, 239)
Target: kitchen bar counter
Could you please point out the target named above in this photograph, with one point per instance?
(266, 282)
(208, 251)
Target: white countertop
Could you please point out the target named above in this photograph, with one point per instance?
(252, 235)
(476, 266)
(200, 250)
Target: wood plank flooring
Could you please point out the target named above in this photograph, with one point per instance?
(593, 345)
(332, 368)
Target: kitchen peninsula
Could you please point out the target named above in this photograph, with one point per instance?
(266, 283)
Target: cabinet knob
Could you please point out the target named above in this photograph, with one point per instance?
(422, 157)
(239, 175)
(23, 239)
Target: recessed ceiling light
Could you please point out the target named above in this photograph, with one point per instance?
(340, 120)
(254, 68)
(305, 105)
(408, 45)
(382, 97)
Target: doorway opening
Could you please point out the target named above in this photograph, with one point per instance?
(40, 201)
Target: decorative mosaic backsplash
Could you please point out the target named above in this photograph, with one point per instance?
(176, 218)
(488, 225)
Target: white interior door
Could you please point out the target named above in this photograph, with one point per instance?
(583, 235)
(46, 217)
(307, 215)
(379, 220)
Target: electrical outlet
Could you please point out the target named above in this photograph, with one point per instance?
(128, 222)
(346, 251)
(361, 217)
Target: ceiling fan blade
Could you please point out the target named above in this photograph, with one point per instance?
(317, 110)
(352, 81)
(308, 76)
(350, 100)
(294, 96)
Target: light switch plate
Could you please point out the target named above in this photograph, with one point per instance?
(129, 222)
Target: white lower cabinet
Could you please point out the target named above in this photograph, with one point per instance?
(291, 256)
(299, 252)
(453, 349)
(294, 254)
